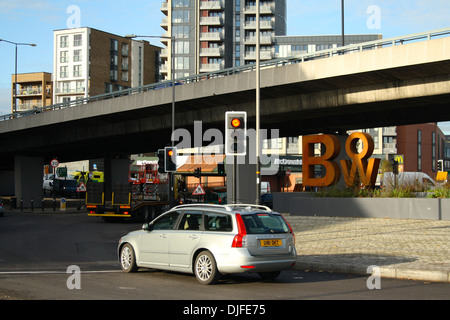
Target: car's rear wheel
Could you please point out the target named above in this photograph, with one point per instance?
(128, 259)
(205, 268)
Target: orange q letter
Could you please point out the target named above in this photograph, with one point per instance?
(333, 172)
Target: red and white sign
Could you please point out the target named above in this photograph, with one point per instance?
(81, 187)
(54, 163)
(198, 191)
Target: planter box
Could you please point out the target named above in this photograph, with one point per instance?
(305, 204)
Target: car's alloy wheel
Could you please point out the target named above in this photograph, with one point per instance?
(206, 269)
(128, 259)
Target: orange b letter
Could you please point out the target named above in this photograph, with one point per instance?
(333, 172)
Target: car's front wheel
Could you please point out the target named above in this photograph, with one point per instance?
(205, 268)
(128, 259)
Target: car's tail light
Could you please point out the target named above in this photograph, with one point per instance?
(239, 239)
(290, 228)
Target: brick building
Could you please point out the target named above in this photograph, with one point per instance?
(90, 62)
(422, 146)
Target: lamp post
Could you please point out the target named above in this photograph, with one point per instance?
(15, 69)
(172, 67)
(342, 14)
(258, 102)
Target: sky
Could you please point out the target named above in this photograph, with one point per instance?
(33, 21)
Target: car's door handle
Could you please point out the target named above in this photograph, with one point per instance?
(193, 236)
(163, 236)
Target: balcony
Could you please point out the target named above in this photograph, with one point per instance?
(211, 21)
(165, 7)
(263, 25)
(264, 55)
(211, 52)
(211, 5)
(210, 67)
(62, 91)
(263, 40)
(389, 131)
(263, 9)
(212, 36)
(164, 23)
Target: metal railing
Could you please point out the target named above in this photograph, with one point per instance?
(377, 44)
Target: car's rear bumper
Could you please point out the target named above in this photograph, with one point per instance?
(240, 261)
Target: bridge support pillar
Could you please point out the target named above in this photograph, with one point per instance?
(7, 182)
(28, 174)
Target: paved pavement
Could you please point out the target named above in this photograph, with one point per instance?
(401, 248)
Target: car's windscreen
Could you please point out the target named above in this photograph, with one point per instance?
(264, 223)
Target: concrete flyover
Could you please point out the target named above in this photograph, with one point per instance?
(396, 85)
(401, 83)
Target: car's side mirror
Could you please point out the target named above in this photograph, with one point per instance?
(148, 226)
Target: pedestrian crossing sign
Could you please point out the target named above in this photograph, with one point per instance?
(198, 191)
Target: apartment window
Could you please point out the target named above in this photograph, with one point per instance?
(63, 72)
(180, 3)
(125, 49)
(181, 31)
(65, 88)
(114, 45)
(113, 74)
(79, 86)
(321, 47)
(124, 76)
(433, 151)
(182, 47)
(77, 40)
(77, 71)
(108, 87)
(64, 56)
(299, 48)
(63, 41)
(180, 16)
(181, 63)
(419, 150)
(77, 56)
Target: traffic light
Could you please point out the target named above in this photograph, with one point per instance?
(170, 159)
(395, 166)
(221, 168)
(198, 172)
(440, 165)
(161, 161)
(236, 133)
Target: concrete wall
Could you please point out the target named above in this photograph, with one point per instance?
(303, 204)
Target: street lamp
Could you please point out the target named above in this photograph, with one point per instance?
(258, 101)
(342, 24)
(15, 69)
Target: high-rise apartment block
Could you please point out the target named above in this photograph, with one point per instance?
(90, 62)
(212, 35)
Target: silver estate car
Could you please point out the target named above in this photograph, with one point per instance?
(210, 240)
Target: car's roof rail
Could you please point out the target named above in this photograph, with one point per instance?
(216, 206)
(248, 206)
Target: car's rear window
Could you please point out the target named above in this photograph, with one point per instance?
(264, 223)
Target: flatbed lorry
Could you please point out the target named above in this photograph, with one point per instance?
(144, 197)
